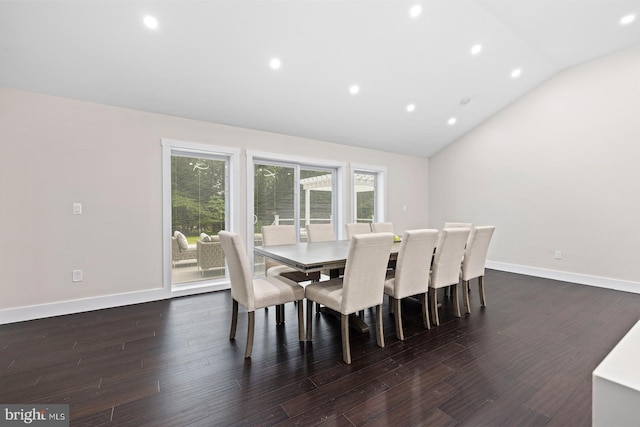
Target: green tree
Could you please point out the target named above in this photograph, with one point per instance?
(198, 195)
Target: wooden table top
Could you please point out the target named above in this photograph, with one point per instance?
(310, 257)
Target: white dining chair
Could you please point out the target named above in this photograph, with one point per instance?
(382, 227)
(256, 293)
(353, 228)
(475, 258)
(273, 235)
(445, 270)
(320, 233)
(361, 287)
(411, 275)
(447, 225)
(458, 225)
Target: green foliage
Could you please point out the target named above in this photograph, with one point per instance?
(198, 195)
(274, 195)
(365, 204)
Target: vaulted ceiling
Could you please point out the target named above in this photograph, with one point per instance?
(422, 73)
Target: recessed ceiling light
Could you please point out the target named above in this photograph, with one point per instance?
(353, 89)
(516, 73)
(275, 63)
(150, 22)
(411, 108)
(452, 121)
(415, 11)
(627, 19)
(476, 49)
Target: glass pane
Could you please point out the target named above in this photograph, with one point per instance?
(198, 205)
(365, 195)
(316, 196)
(273, 201)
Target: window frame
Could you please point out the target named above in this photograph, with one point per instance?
(261, 157)
(232, 206)
(380, 182)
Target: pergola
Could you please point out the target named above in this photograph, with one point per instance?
(362, 182)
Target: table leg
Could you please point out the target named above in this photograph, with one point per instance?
(356, 323)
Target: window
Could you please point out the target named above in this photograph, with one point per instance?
(198, 203)
(291, 191)
(368, 192)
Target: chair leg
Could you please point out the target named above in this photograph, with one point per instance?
(425, 311)
(433, 294)
(234, 320)
(250, 331)
(391, 305)
(397, 311)
(465, 296)
(456, 302)
(309, 318)
(379, 326)
(279, 314)
(346, 349)
(301, 320)
(483, 300)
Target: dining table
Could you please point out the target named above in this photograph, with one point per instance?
(315, 256)
(318, 256)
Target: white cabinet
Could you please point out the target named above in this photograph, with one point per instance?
(616, 384)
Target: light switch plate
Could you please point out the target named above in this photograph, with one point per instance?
(77, 276)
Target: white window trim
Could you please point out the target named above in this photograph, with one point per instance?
(254, 157)
(233, 210)
(381, 190)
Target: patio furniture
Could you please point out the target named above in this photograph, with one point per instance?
(210, 254)
(181, 250)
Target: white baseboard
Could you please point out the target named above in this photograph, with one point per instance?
(200, 288)
(20, 314)
(564, 276)
(12, 315)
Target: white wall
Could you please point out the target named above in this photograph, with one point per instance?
(56, 151)
(557, 170)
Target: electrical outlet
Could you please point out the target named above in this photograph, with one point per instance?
(558, 255)
(77, 208)
(77, 276)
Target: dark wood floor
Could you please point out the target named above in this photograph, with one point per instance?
(525, 359)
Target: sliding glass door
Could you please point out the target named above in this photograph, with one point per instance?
(316, 189)
(290, 194)
(197, 205)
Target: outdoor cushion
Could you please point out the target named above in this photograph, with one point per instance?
(182, 240)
